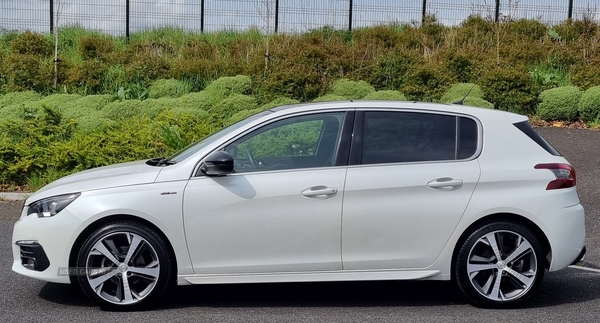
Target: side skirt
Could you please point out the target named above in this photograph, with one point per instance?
(322, 276)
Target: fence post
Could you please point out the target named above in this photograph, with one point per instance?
(127, 14)
(424, 11)
(51, 16)
(276, 16)
(202, 16)
(570, 15)
(497, 17)
(350, 15)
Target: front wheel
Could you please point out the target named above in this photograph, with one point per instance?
(499, 265)
(124, 266)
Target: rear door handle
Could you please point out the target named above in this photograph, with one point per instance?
(320, 192)
(446, 184)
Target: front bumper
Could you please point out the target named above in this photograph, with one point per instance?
(41, 246)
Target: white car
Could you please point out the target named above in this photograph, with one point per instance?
(336, 191)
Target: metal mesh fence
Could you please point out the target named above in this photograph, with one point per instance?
(112, 16)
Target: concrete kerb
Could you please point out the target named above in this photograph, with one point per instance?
(13, 196)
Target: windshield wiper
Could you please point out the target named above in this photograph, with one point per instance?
(160, 161)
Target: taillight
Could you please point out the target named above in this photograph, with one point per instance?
(565, 175)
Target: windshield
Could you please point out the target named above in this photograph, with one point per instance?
(194, 148)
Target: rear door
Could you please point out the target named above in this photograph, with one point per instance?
(411, 177)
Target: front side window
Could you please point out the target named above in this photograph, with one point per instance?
(297, 142)
(396, 137)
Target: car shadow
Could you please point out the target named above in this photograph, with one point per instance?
(563, 287)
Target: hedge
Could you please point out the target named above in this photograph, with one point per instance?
(559, 103)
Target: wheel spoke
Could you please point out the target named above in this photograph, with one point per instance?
(146, 271)
(524, 280)
(496, 293)
(523, 248)
(491, 239)
(101, 248)
(127, 295)
(133, 247)
(474, 268)
(97, 282)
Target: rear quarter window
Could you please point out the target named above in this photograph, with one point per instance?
(527, 129)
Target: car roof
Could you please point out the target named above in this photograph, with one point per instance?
(408, 105)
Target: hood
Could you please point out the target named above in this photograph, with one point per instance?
(132, 173)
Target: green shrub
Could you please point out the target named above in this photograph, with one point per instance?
(390, 69)
(559, 103)
(199, 100)
(330, 97)
(26, 72)
(87, 77)
(586, 76)
(94, 123)
(352, 90)
(122, 109)
(181, 111)
(18, 97)
(234, 104)
(426, 83)
(74, 112)
(226, 86)
(589, 105)
(278, 102)
(239, 116)
(386, 95)
(30, 43)
(96, 102)
(57, 101)
(459, 90)
(95, 47)
(510, 89)
(168, 88)
(477, 102)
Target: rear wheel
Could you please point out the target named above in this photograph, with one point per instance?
(499, 265)
(126, 266)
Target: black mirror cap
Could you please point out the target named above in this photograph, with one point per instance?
(219, 163)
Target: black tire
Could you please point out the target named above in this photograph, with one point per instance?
(148, 271)
(520, 270)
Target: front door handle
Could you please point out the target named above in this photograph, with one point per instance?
(320, 192)
(446, 184)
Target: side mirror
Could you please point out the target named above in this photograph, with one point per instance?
(218, 163)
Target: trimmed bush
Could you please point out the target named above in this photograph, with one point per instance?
(18, 97)
(330, 97)
(199, 100)
(122, 109)
(351, 90)
(168, 88)
(510, 90)
(459, 90)
(96, 102)
(589, 105)
(241, 116)
(477, 102)
(559, 103)
(386, 95)
(426, 83)
(57, 101)
(181, 111)
(234, 104)
(93, 123)
(226, 86)
(278, 102)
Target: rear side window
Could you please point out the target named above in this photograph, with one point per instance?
(526, 128)
(395, 137)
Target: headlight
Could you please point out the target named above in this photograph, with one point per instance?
(48, 207)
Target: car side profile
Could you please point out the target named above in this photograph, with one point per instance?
(332, 191)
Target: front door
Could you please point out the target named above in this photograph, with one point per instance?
(281, 209)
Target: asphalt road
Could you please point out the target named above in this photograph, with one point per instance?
(565, 296)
